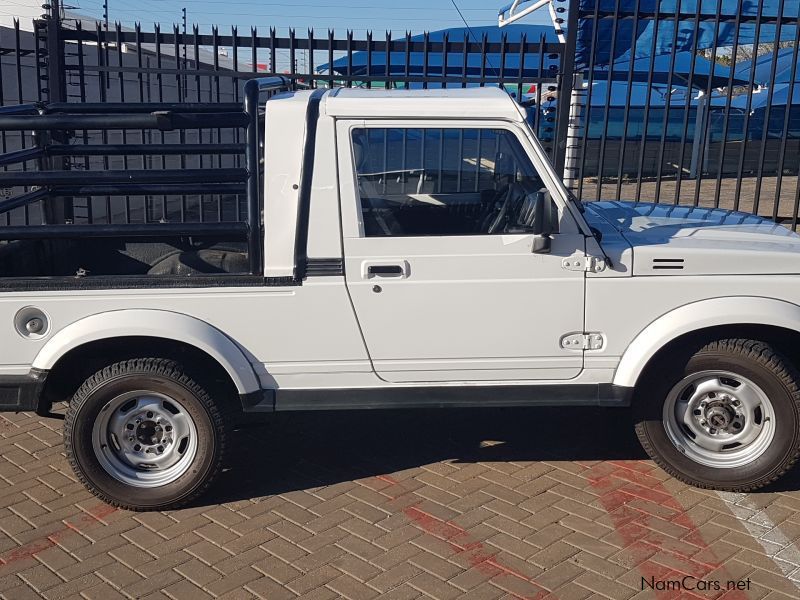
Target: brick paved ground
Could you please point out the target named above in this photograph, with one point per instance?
(461, 504)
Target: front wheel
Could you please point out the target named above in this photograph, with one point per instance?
(728, 418)
(143, 435)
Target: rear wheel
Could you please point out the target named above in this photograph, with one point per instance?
(141, 434)
(726, 418)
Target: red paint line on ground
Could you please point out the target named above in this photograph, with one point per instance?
(76, 524)
(620, 484)
(460, 541)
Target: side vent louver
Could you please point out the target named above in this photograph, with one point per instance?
(671, 264)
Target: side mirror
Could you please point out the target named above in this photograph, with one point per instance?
(542, 225)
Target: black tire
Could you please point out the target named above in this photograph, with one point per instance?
(157, 375)
(761, 364)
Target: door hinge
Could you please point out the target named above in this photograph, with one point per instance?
(590, 264)
(583, 341)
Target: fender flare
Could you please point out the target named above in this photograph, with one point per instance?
(735, 310)
(155, 324)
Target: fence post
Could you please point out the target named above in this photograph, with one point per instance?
(566, 86)
(56, 82)
(55, 209)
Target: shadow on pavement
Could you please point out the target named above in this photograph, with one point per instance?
(296, 451)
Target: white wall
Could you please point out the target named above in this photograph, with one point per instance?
(24, 10)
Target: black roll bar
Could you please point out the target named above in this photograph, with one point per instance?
(51, 121)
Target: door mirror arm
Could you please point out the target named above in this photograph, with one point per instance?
(542, 225)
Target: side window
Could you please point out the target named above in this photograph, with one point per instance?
(417, 182)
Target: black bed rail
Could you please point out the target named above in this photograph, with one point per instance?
(132, 230)
(56, 125)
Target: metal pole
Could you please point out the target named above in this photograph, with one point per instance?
(105, 54)
(699, 128)
(57, 89)
(56, 209)
(185, 80)
(573, 146)
(565, 88)
(251, 95)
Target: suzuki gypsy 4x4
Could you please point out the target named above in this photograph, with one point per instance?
(400, 249)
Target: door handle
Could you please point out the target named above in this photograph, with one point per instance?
(385, 269)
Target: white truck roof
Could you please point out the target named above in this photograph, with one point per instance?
(491, 103)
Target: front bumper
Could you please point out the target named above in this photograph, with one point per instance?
(22, 392)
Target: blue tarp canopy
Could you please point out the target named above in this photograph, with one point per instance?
(455, 60)
(659, 35)
(663, 64)
(763, 68)
(684, 72)
(780, 97)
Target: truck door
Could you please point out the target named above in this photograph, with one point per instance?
(438, 264)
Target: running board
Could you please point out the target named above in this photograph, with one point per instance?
(469, 396)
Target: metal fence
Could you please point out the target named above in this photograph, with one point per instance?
(693, 103)
(79, 63)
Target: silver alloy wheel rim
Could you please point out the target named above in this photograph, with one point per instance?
(144, 439)
(719, 419)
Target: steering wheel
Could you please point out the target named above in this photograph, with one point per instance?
(506, 194)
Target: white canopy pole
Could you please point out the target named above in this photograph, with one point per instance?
(508, 15)
(699, 128)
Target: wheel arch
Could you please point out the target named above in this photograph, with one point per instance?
(155, 329)
(695, 324)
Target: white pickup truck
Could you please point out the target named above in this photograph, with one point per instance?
(414, 249)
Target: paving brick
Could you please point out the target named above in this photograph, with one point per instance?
(434, 587)
(21, 592)
(238, 594)
(314, 579)
(40, 578)
(118, 575)
(309, 562)
(72, 588)
(233, 580)
(237, 561)
(207, 552)
(351, 589)
(355, 567)
(185, 590)
(264, 587)
(394, 577)
(102, 591)
(131, 556)
(485, 591)
(197, 572)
